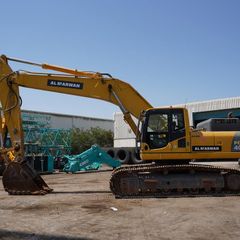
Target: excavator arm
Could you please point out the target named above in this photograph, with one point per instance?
(86, 84)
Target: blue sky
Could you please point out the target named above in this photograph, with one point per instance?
(171, 51)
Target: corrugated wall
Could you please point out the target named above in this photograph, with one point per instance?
(212, 105)
(62, 121)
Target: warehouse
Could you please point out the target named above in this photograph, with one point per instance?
(63, 121)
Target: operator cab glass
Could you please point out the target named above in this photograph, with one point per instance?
(162, 126)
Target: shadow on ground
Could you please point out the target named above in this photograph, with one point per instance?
(15, 235)
(79, 192)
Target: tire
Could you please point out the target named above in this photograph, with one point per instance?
(136, 158)
(122, 155)
(111, 152)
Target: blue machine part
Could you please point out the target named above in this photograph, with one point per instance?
(91, 159)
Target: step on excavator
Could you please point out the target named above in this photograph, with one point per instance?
(165, 139)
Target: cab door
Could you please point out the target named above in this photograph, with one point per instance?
(179, 137)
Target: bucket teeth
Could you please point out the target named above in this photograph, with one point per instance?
(20, 179)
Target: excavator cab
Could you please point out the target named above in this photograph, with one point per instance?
(165, 131)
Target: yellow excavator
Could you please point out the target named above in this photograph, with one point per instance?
(165, 140)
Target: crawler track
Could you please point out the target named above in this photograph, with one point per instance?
(151, 180)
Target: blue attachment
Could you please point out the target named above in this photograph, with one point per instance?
(91, 159)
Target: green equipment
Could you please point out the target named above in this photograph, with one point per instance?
(91, 159)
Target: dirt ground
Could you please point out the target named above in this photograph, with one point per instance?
(82, 207)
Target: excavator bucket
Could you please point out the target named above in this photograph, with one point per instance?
(20, 179)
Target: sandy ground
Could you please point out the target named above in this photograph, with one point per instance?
(82, 207)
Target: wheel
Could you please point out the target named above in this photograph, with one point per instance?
(122, 155)
(136, 157)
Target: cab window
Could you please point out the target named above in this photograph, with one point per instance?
(177, 121)
(158, 123)
(157, 130)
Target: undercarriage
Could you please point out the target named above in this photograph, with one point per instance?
(188, 180)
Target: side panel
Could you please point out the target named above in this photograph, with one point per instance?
(204, 145)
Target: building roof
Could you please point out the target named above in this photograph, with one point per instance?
(211, 105)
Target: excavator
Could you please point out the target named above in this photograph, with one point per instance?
(165, 140)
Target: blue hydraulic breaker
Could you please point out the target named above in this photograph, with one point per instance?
(91, 159)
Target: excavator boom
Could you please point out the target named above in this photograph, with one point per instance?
(19, 177)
